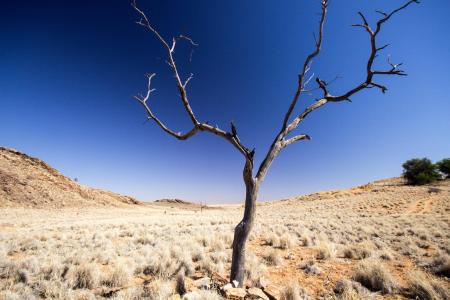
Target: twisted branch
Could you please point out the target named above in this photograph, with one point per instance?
(151, 116)
(370, 73)
(182, 84)
(280, 140)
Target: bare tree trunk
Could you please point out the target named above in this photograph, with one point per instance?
(242, 230)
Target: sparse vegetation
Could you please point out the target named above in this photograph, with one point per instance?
(273, 240)
(294, 292)
(85, 276)
(325, 250)
(142, 253)
(286, 241)
(440, 265)
(273, 257)
(118, 277)
(310, 267)
(350, 290)
(254, 270)
(159, 289)
(359, 251)
(423, 287)
(374, 276)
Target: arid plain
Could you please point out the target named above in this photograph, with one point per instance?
(382, 240)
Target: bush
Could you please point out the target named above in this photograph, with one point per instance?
(350, 290)
(421, 286)
(119, 277)
(85, 276)
(325, 250)
(360, 251)
(294, 292)
(440, 265)
(420, 171)
(273, 240)
(310, 267)
(273, 257)
(444, 167)
(286, 241)
(158, 289)
(374, 276)
(254, 270)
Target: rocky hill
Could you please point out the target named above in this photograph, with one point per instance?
(182, 204)
(30, 182)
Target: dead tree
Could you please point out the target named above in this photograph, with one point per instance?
(285, 136)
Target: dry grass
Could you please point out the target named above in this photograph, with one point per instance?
(350, 290)
(374, 276)
(440, 265)
(119, 276)
(255, 270)
(325, 250)
(85, 276)
(359, 251)
(286, 241)
(376, 235)
(310, 267)
(294, 292)
(422, 286)
(273, 257)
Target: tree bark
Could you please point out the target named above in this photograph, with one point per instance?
(242, 230)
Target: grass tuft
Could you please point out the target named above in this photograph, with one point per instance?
(374, 276)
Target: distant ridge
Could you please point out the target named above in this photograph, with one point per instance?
(176, 201)
(26, 181)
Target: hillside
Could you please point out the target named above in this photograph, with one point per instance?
(386, 196)
(30, 182)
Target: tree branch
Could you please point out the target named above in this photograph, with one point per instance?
(151, 116)
(276, 146)
(198, 126)
(370, 73)
(388, 16)
(145, 23)
(306, 64)
(296, 138)
(280, 142)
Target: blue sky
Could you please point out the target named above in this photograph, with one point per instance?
(69, 70)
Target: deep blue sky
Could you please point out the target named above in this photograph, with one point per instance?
(69, 70)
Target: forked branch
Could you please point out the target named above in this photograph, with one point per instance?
(151, 116)
(280, 141)
(182, 84)
(369, 81)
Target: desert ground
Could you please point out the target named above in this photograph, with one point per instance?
(382, 240)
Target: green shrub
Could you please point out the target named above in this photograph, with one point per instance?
(444, 167)
(420, 171)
